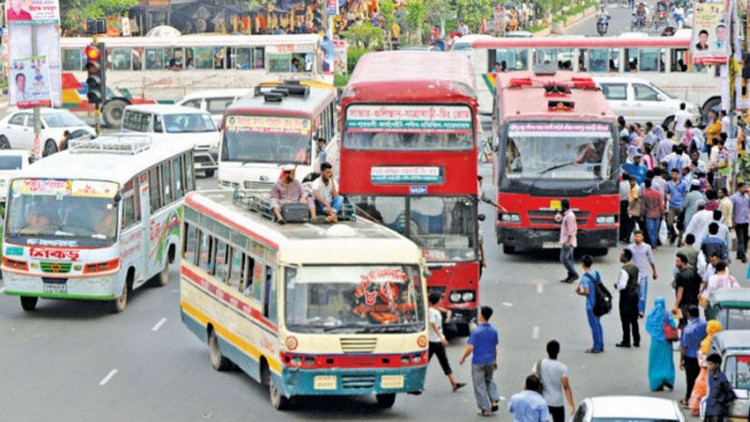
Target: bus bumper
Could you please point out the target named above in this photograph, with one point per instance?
(529, 238)
(461, 316)
(89, 288)
(304, 382)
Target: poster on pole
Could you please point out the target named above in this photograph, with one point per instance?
(332, 7)
(710, 42)
(48, 46)
(339, 57)
(498, 21)
(32, 12)
(29, 82)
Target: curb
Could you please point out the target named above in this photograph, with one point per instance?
(548, 31)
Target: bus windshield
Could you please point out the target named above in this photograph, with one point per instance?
(267, 139)
(444, 226)
(409, 141)
(354, 299)
(81, 212)
(559, 150)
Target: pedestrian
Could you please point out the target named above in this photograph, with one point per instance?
(553, 376)
(720, 392)
(634, 207)
(725, 206)
(643, 258)
(693, 198)
(700, 388)
(528, 405)
(721, 280)
(653, 210)
(438, 340)
(692, 335)
(482, 345)
(740, 219)
(676, 194)
(588, 286)
(568, 240)
(714, 243)
(698, 225)
(660, 363)
(625, 223)
(627, 285)
(687, 287)
(690, 251)
(680, 117)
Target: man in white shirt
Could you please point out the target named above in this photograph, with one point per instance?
(326, 192)
(698, 225)
(725, 122)
(680, 117)
(554, 377)
(438, 341)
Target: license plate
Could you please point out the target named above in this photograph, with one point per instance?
(55, 288)
(325, 382)
(392, 381)
(550, 245)
(555, 204)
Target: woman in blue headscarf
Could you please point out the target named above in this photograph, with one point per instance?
(660, 362)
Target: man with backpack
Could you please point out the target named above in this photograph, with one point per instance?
(591, 286)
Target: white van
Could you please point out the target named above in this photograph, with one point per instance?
(12, 161)
(214, 101)
(184, 124)
(640, 101)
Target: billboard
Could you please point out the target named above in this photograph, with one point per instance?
(710, 42)
(29, 82)
(48, 46)
(33, 12)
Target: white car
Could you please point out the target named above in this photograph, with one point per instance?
(17, 129)
(12, 161)
(214, 101)
(640, 101)
(628, 409)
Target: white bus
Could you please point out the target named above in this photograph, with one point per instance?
(158, 69)
(96, 221)
(305, 309)
(663, 61)
(275, 125)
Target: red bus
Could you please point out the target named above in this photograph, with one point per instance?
(557, 139)
(409, 154)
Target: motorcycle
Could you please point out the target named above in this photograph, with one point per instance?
(602, 24)
(660, 17)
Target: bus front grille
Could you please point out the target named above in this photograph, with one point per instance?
(547, 216)
(352, 381)
(358, 345)
(55, 267)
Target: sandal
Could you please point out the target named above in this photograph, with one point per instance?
(684, 403)
(484, 413)
(494, 407)
(281, 221)
(459, 385)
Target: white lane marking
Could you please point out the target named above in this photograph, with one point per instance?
(540, 288)
(159, 324)
(508, 304)
(106, 379)
(535, 333)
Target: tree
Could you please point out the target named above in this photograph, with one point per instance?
(365, 35)
(75, 12)
(388, 12)
(416, 13)
(473, 12)
(438, 11)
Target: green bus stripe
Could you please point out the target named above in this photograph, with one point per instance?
(59, 295)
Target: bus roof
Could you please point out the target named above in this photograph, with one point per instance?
(102, 165)
(291, 105)
(359, 241)
(678, 40)
(531, 102)
(197, 41)
(412, 76)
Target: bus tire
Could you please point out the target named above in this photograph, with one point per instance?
(28, 303)
(209, 173)
(278, 401)
(118, 305)
(162, 279)
(50, 147)
(509, 249)
(218, 361)
(463, 329)
(385, 401)
(112, 112)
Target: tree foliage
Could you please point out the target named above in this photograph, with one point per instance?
(416, 14)
(473, 11)
(364, 35)
(75, 12)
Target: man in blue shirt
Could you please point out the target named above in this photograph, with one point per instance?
(588, 288)
(528, 405)
(692, 336)
(482, 344)
(715, 244)
(676, 192)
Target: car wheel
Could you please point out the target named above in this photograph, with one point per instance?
(4, 142)
(668, 123)
(50, 147)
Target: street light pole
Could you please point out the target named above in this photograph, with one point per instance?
(37, 111)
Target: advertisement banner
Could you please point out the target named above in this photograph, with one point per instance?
(403, 174)
(269, 124)
(710, 42)
(32, 12)
(48, 46)
(29, 82)
(326, 45)
(332, 7)
(407, 118)
(559, 130)
(339, 57)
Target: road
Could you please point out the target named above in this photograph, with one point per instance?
(620, 23)
(73, 361)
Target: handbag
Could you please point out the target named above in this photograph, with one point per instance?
(670, 333)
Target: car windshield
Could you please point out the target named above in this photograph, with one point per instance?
(189, 123)
(355, 299)
(267, 139)
(84, 212)
(62, 120)
(11, 162)
(735, 319)
(559, 150)
(444, 226)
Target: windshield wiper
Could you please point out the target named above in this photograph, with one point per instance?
(62, 233)
(348, 327)
(547, 170)
(396, 328)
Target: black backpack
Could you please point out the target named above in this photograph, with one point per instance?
(603, 299)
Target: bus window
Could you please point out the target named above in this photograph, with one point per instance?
(121, 58)
(259, 61)
(651, 60)
(221, 261)
(205, 260)
(245, 275)
(189, 178)
(178, 186)
(514, 59)
(166, 181)
(242, 58)
(218, 105)
(128, 205)
(155, 58)
(158, 124)
(219, 55)
(137, 53)
(135, 121)
(678, 59)
(258, 281)
(269, 300)
(236, 264)
(202, 57)
(189, 245)
(154, 189)
(603, 59)
(279, 63)
(72, 59)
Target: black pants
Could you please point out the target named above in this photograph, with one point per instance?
(629, 320)
(692, 370)
(557, 413)
(714, 418)
(741, 230)
(437, 348)
(625, 227)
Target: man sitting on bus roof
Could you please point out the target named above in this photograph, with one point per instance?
(327, 198)
(289, 190)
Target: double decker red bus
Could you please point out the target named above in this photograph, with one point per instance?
(409, 160)
(557, 139)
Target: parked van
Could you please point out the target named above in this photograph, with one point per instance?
(214, 101)
(734, 348)
(183, 124)
(640, 101)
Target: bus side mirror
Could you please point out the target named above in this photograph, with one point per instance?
(426, 273)
(117, 198)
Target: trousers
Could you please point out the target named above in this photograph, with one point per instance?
(629, 319)
(437, 348)
(485, 389)
(642, 293)
(741, 230)
(692, 370)
(566, 257)
(596, 330)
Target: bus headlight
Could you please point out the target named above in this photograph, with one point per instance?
(605, 220)
(296, 360)
(510, 218)
(455, 297)
(468, 297)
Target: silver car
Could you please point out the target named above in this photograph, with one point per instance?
(628, 409)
